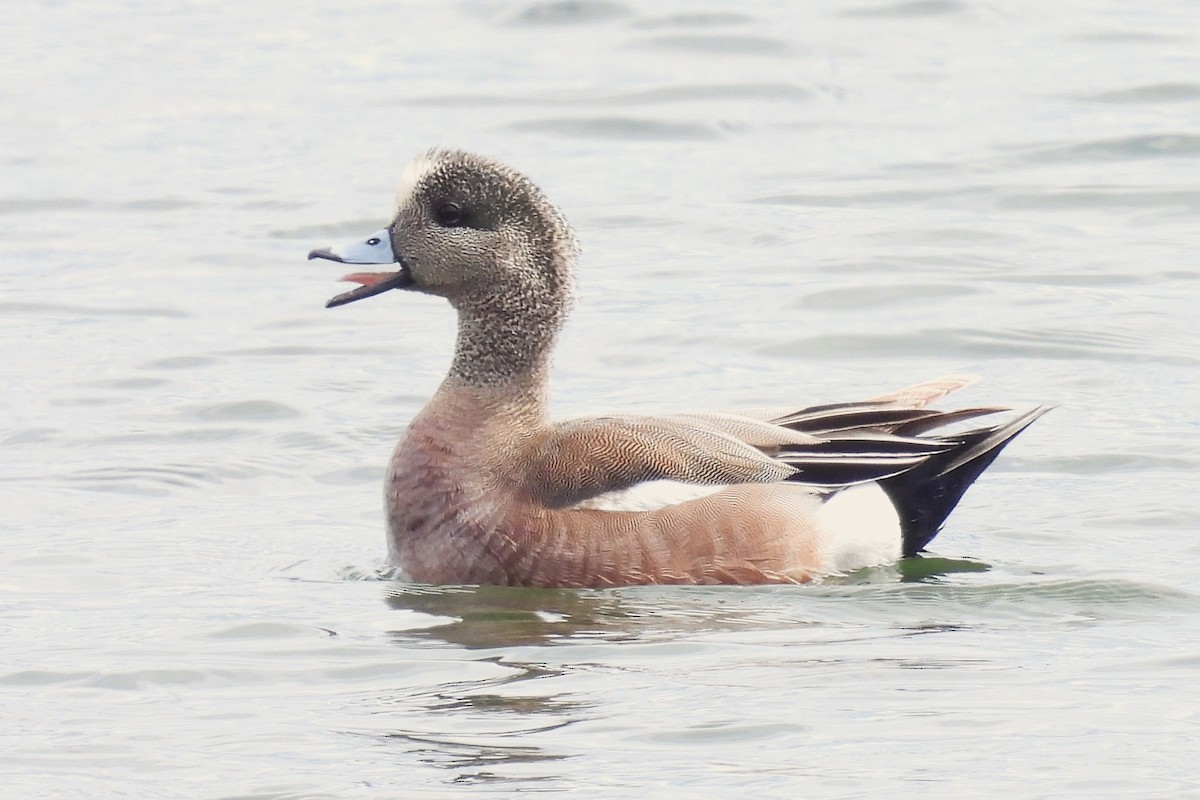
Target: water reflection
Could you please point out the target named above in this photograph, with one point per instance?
(531, 678)
(499, 616)
(488, 731)
(473, 728)
(511, 726)
(484, 617)
(475, 761)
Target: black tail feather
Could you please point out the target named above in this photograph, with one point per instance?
(925, 495)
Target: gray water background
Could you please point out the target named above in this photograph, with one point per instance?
(778, 202)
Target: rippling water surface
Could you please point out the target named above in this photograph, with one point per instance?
(813, 201)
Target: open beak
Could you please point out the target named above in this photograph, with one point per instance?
(376, 249)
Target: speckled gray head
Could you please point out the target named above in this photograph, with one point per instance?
(470, 229)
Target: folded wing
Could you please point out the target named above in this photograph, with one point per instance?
(828, 446)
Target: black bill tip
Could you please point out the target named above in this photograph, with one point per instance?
(324, 253)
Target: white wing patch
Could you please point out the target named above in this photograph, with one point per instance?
(649, 496)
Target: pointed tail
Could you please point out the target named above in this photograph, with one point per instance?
(925, 496)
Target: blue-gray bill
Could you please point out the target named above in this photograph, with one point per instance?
(376, 249)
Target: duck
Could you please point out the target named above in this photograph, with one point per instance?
(485, 488)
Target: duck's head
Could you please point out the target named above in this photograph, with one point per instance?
(469, 229)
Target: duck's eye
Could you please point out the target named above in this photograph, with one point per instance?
(374, 240)
(449, 214)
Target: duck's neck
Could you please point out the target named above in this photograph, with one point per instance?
(505, 342)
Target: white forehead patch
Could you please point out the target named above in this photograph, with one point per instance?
(412, 176)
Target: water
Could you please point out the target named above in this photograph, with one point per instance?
(816, 201)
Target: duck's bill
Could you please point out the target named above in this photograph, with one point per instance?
(375, 249)
(372, 283)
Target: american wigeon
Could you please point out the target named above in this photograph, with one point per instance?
(484, 488)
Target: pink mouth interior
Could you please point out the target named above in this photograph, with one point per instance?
(366, 278)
